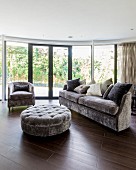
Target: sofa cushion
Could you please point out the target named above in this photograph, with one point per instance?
(82, 89)
(18, 95)
(82, 82)
(99, 104)
(94, 90)
(72, 96)
(72, 84)
(107, 91)
(117, 92)
(18, 87)
(65, 87)
(105, 85)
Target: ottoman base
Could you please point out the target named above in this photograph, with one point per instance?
(44, 131)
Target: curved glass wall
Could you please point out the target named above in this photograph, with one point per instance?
(17, 65)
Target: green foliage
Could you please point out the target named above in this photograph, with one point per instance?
(103, 68)
(81, 67)
(17, 62)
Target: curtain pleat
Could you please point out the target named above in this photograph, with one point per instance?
(128, 63)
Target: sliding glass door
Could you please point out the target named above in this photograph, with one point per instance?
(60, 69)
(48, 70)
(40, 70)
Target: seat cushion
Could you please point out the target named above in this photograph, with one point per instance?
(20, 95)
(72, 96)
(99, 104)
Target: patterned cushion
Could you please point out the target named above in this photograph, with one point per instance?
(94, 90)
(82, 89)
(117, 92)
(72, 84)
(105, 85)
(107, 91)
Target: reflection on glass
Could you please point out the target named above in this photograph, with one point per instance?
(17, 62)
(81, 62)
(40, 70)
(60, 69)
(103, 63)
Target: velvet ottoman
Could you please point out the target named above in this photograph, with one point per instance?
(45, 120)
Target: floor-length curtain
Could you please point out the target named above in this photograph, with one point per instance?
(128, 63)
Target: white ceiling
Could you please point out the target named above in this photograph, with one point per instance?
(85, 20)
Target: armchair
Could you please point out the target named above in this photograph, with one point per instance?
(20, 94)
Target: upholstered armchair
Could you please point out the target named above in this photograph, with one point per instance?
(20, 94)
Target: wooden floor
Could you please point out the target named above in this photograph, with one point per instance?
(86, 146)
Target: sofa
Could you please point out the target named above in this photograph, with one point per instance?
(103, 111)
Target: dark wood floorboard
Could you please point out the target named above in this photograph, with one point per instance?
(87, 145)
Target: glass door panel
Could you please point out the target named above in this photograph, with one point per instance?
(16, 62)
(0, 71)
(60, 69)
(40, 70)
(103, 63)
(81, 62)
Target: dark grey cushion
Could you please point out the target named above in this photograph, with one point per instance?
(99, 104)
(117, 92)
(65, 87)
(18, 87)
(72, 84)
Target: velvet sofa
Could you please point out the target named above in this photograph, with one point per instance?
(103, 111)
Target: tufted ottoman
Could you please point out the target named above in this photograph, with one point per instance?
(45, 120)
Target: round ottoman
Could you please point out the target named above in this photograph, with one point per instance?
(45, 120)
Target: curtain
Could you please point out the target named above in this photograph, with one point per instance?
(128, 63)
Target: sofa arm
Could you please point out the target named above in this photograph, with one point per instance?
(124, 113)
